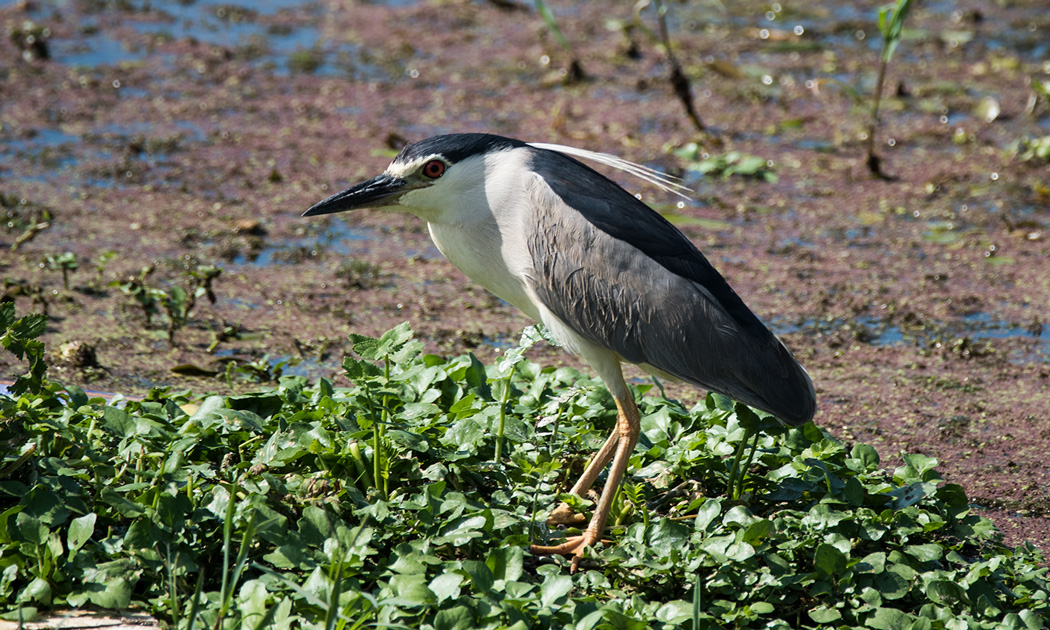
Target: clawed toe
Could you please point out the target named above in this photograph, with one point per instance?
(574, 546)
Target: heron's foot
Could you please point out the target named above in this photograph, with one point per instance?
(563, 515)
(573, 546)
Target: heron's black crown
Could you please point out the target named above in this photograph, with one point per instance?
(456, 147)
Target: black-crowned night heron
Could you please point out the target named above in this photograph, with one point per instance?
(610, 278)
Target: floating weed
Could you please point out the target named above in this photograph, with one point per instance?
(1028, 149)
(726, 164)
(358, 274)
(305, 61)
(267, 509)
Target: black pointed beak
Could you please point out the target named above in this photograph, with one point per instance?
(374, 193)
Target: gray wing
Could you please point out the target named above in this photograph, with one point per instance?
(623, 277)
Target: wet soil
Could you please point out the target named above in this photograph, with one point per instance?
(182, 135)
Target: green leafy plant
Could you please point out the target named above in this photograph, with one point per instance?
(257, 510)
(19, 336)
(135, 287)
(305, 60)
(176, 301)
(264, 369)
(202, 279)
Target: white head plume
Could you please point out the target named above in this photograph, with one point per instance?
(662, 181)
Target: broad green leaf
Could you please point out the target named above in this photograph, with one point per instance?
(408, 440)
(756, 532)
(828, 559)
(5, 533)
(1031, 619)
(410, 590)
(251, 598)
(718, 547)
(738, 515)
(113, 593)
(30, 529)
(554, 587)
(615, 618)
(461, 531)
(80, 530)
(446, 586)
(38, 590)
(707, 513)
(465, 435)
(675, 612)
(506, 563)
(739, 552)
(666, 534)
(925, 553)
(42, 503)
(457, 618)
(908, 495)
(889, 619)
(824, 614)
(210, 405)
(480, 575)
(946, 592)
(874, 562)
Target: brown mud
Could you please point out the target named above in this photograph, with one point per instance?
(185, 134)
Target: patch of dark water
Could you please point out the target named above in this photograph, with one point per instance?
(52, 148)
(107, 156)
(273, 365)
(98, 49)
(968, 335)
(281, 48)
(338, 238)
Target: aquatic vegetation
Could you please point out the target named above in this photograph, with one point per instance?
(386, 503)
(1029, 149)
(725, 164)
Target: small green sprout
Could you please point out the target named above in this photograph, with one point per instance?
(65, 263)
(575, 71)
(100, 265)
(891, 25)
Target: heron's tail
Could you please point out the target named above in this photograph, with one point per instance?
(781, 386)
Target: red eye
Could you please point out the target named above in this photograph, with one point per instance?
(434, 169)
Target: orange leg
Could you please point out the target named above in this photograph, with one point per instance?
(619, 447)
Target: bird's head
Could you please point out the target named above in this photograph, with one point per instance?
(426, 177)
